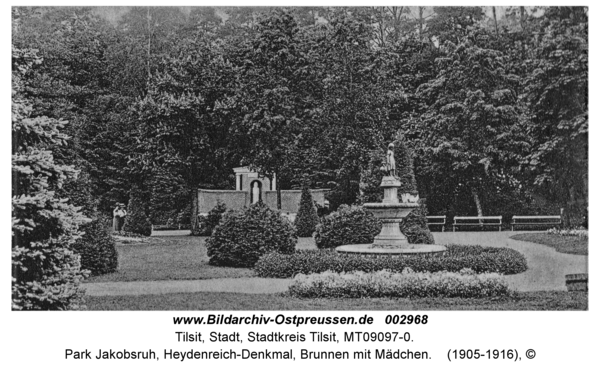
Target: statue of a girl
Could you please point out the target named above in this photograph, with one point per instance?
(390, 162)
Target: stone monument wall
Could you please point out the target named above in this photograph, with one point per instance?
(290, 199)
(207, 199)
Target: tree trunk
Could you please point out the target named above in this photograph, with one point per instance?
(195, 224)
(420, 22)
(149, 40)
(495, 20)
(523, 17)
(477, 202)
(278, 189)
(564, 215)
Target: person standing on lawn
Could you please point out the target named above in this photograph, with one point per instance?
(119, 217)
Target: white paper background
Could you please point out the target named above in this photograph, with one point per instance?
(561, 339)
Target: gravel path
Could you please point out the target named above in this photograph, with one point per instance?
(547, 269)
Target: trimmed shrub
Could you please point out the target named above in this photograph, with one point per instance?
(415, 226)
(406, 284)
(244, 236)
(307, 219)
(136, 220)
(349, 225)
(97, 248)
(209, 222)
(457, 257)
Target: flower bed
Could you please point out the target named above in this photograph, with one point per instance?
(576, 232)
(385, 283)
(458, 257)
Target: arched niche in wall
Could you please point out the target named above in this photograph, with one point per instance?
(255, 191)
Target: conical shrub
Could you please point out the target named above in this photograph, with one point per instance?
(307, 219)
(136, 220)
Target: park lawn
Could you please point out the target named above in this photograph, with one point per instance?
(563, 244)
(541, 300)
(167, 258)
(173, 258)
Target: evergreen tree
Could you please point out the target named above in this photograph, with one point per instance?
(307, 218)
(96, 246)
(136, 220)
(46, 273)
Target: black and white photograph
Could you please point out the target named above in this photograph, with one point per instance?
(206, 158)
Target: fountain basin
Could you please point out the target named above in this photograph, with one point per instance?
(404, 250)
(390, 210)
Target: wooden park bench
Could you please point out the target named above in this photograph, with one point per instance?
(437, 220)
(535, 220)
(495, 221)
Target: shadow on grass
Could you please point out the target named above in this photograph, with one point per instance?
(542, 300)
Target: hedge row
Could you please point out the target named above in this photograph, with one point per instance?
(384, 283)
(458, 257)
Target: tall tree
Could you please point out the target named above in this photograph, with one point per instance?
(473, 124)
(45, 272)
(76, 83)
(181, 127)
(358, 88)
(557, 95)
(270, 99)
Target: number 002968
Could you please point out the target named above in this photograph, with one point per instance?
(406, 319)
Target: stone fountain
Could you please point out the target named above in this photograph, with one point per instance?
(391, 211)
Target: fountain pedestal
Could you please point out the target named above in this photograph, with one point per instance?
(391, 212)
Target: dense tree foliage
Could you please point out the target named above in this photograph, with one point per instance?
(270, 100)
(472, 127)
(557, 93)
(493, 100)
